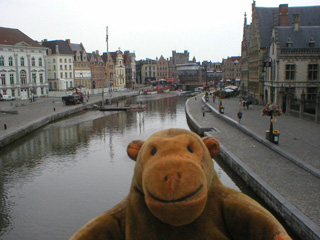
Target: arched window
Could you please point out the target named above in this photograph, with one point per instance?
(23, 77)
(40, 62)
(33, 62)
(1, 61)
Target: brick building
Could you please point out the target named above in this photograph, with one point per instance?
(231, 68)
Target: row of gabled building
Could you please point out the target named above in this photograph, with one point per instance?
(281, 58)
(70, 66)
(28, 67)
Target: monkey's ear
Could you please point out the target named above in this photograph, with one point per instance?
(133, 149)
(212, 145)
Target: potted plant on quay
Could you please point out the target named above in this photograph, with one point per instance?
(272, 110)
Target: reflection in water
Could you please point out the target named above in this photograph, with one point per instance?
(58, 178)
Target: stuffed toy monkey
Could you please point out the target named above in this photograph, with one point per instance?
(176, 194)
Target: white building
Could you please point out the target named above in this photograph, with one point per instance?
(60, 65)
(22, 65)
(120, 69)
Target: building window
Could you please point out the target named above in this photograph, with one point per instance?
(54, 75)
(61, 75)
(10, 61)
(311, 93)
(1, 61)
(61, 60)
(41, 77)
(33, 62)
(3, 79)
(66, 75)
(290, 71)
(23, 77)
(312, 71)
(40, 62)
(70, 74)
(11, 79)
(41, 91)
(54, 67)
(54, 60)
(22, 61)
(34, 78)
(60, 67)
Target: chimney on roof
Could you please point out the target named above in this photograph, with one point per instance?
(57, 49)
(296, 22)
(283, 15)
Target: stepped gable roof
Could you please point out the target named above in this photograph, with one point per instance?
(104, 57)
(63, 46)
(95, 55)
(112, 55)
(92, 55)
(300, 38)
(233, 59)
(11, 36)
(309, 16)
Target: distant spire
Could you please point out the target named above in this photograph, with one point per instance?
(245, 18)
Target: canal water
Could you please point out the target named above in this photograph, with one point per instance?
(58, 178)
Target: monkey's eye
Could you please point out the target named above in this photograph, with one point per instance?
(190, 149)
(153, 151)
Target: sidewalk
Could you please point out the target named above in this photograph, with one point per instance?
(292, 191)
(297, 136)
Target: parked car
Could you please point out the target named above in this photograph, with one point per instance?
(6, 98)
(75, 98)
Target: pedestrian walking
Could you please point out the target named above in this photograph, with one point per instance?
(239, 115)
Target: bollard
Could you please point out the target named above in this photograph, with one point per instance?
(54, 109)
(5, 126)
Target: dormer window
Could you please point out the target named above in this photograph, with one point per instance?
(289, 43)
(312, 42)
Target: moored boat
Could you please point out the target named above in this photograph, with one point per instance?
(151, 92)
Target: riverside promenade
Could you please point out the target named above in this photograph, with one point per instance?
(286, 176)
(20, 117)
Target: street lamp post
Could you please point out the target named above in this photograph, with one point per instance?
(271, 135)
(268, 65)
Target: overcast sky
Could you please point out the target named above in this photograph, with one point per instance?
(209, 30)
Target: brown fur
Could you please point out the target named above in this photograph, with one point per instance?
(176, 194)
